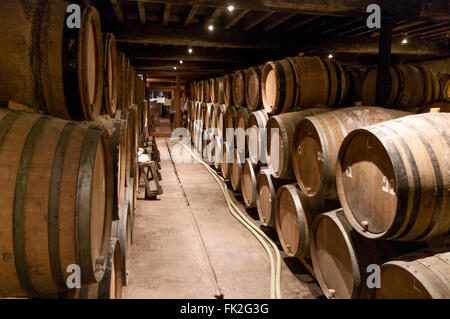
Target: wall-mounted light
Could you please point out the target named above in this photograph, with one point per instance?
(230, 8)
(330, 56)
(210, 27)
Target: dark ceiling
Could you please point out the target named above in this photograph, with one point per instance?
(157, 34)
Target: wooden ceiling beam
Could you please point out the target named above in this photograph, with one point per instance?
(418, 9)
(236, 18)
(141, 9)
(302, 22)
(117, 7)
(214, 15)
(166, 14)
(192, 11)
(256, 19)
(269, 25)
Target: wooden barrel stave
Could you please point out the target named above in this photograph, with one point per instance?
(257, 137)
(110, 66)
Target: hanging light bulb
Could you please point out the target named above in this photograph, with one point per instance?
(190, 50)
(211, 27)
(174, 67)
(404, 41)
(230, 8)
(330, 56)
(181, 61)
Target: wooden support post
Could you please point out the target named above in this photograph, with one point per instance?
(384, 60)
(178, 115)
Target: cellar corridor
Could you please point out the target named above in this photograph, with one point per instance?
(193, 248)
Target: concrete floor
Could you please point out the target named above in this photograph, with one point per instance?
(192, 247)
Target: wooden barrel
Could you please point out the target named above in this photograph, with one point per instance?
(313, 84)
(424, 274)
(249, 190)
(218, 153)
(220, 120)
(240, 129)
(278, 86)
(403, 168)
(317, 140)
(227, 160)
(117, 131)
(67, 169)
(257, 137)
(230, 122)
(228, 90)
(253, 88)
(340, 256)
(239, 88)
(220, 90)
(122, 229)
(413, 87)
(446, 90)
(208, 115)
(354, 79)
(280, 131)
(442, 105)
(368, 87)
(236, 170)
(432, 86)
(121, 79)
(294, 213)
(46, 65)
(110, 65)
(111, 285)
(207, 91)
(267, 187)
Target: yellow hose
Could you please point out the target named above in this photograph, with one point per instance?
(275, 269)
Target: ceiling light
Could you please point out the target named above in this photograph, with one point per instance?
(211, 27)
(181, 61)
(404, 41)
(330, 56)
(230, 8)
(174, 67)
(190, 50)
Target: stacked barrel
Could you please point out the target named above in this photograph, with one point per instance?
(68, 139)
(347, 188)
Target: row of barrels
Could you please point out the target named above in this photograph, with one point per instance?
(306, 81)
(387, 169)
(74, 73)
(68, 163)
(73, 186)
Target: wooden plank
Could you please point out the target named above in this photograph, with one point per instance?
(141, 9)
(166, 14)
(214, 15)
(302, 22)
(118, 10)
(255, 20)
(236, 18)
(192, 11)
(269, 25)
